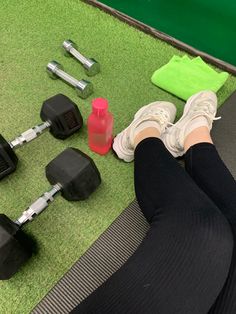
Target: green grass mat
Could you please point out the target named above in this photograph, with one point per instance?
(31, 35)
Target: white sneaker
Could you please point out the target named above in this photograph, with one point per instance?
(200, 110)
(158, 114)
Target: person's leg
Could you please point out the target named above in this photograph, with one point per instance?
(205, 166)
(182, 264)
(198, 135)
(191, 135)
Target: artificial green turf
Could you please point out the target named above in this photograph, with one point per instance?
(31, 35)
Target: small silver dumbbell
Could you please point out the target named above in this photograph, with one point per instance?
(83, 88)
(92, 67)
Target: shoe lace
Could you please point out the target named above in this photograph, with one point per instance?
(159, 114)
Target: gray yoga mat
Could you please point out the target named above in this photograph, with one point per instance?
(224, 133)
(122, 238)
(102, 259)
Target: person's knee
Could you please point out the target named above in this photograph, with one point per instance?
(214, 237)
(218, 230)
(202, 227)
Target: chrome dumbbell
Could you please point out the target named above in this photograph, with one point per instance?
(92, 67)
(84, 88)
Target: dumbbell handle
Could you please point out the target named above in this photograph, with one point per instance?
(78, 55)
(69, 79)
(29, 135)
(38, 206)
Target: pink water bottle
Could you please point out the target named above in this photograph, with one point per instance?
(100, 127)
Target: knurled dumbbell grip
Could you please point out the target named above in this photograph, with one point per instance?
(29, 135)
(38, 206)
(69, 79)
(78, 55)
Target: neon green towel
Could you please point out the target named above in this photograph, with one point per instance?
(184, 77)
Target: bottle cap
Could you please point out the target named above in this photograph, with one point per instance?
(100, 105)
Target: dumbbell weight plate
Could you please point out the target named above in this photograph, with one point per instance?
(8, 159)
(14, 248)
(64, 115)
(75, 172)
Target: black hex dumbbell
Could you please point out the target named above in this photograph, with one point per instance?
(60, 115)
(75, 176)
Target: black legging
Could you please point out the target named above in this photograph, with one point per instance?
(205, 166)
(183, 262)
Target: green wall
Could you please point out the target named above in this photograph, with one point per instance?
(208, 25)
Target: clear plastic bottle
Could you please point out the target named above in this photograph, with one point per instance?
(100, 127)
